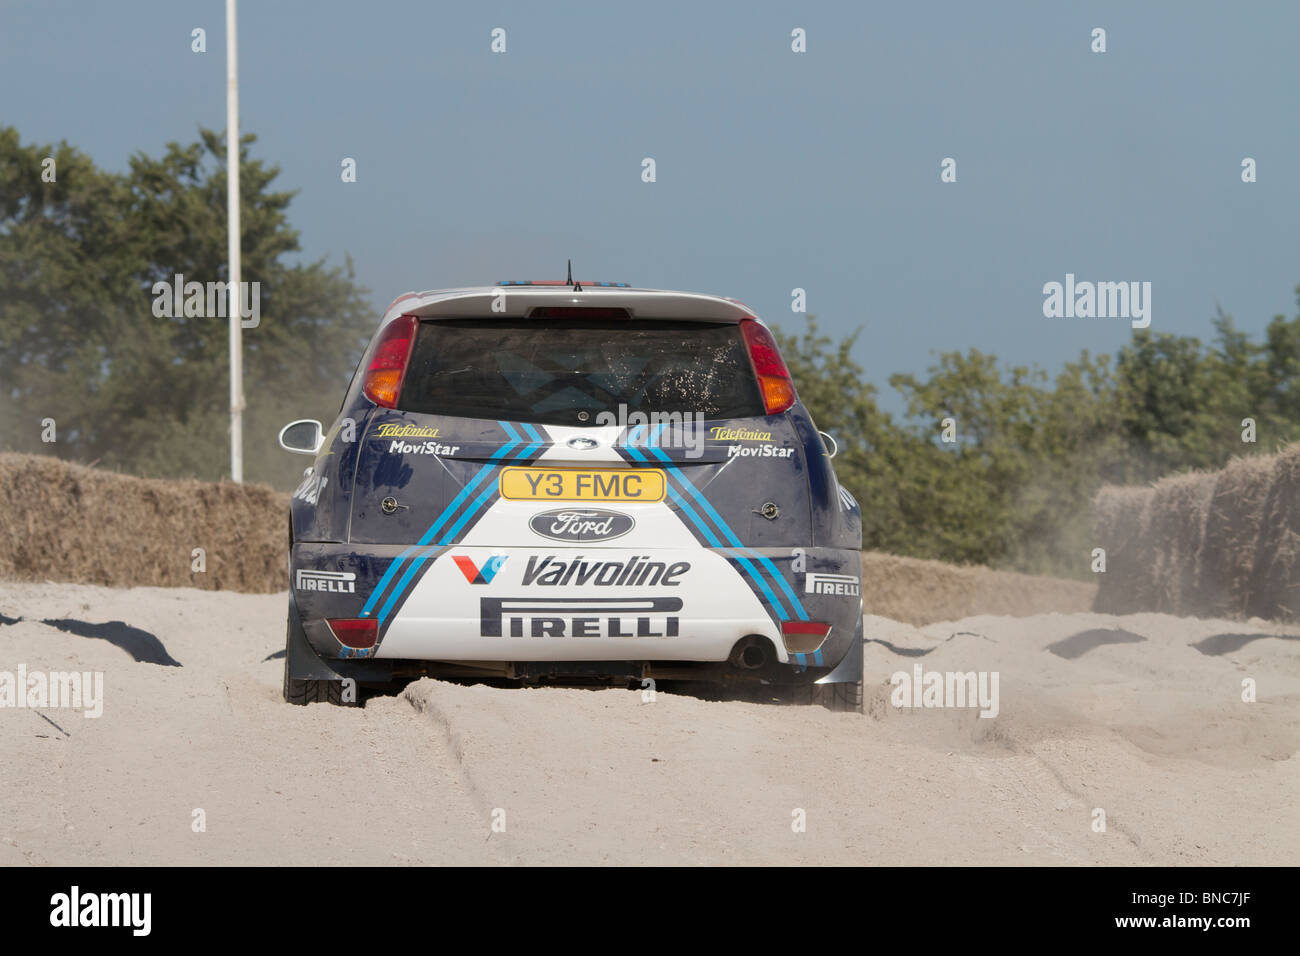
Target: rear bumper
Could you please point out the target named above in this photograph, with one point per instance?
(477, 604)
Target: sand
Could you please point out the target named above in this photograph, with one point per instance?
(1140, 716)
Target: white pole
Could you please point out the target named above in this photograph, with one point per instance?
(232, 249)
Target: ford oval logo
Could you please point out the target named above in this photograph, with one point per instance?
(581, 524)
(581, 442)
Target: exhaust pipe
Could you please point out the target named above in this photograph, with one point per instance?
(750, 653)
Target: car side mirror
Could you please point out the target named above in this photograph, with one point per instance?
(303, 437)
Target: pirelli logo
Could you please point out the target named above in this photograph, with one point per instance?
(580, 617)
(845, 584)
(342, 582)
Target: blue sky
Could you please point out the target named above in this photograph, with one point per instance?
(775, 170)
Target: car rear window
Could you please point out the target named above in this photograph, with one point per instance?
(550, 370)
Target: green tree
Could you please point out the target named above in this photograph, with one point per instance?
(1181, 404)
(1025, 461)
(1281, 359)
(79, 342)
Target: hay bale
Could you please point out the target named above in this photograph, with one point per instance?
(1120, 517)
(66, 522)
(918, 592)
(1232, 531)
(1175, 530)
(1275, 576)
(913, 590)
(1221, 544)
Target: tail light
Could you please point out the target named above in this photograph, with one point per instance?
(383, 381)
(804, 637)
(773, 377)
(355, 631)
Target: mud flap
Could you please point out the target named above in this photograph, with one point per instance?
(849, 669)
(305, 664)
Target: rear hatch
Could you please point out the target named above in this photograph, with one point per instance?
(573, 426)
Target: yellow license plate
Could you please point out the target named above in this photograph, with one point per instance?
(573, 484)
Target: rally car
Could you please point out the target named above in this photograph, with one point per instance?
(572, 482)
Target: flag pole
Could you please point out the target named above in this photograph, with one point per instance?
(232, 249)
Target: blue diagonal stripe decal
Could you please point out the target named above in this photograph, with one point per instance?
(469, 512)
(442, 518)
(685, 506)
(538, 440)
(734, 541)
(401, 585)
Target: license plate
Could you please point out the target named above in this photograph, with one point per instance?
(573, 484)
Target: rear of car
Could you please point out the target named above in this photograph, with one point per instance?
(571, 483)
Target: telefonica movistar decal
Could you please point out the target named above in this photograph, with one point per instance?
(758, 451)
(587, 524)
(724, 433)
(396, 430)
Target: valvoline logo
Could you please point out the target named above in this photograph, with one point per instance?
(476, 575)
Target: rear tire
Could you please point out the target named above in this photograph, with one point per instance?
(303, 692)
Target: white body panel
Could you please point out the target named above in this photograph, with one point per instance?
(444, 619)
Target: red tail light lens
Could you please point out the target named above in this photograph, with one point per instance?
(773, 377)
(387, 368)
(355, 631)
(804, 637)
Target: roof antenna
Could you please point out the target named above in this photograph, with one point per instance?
(569, 281)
